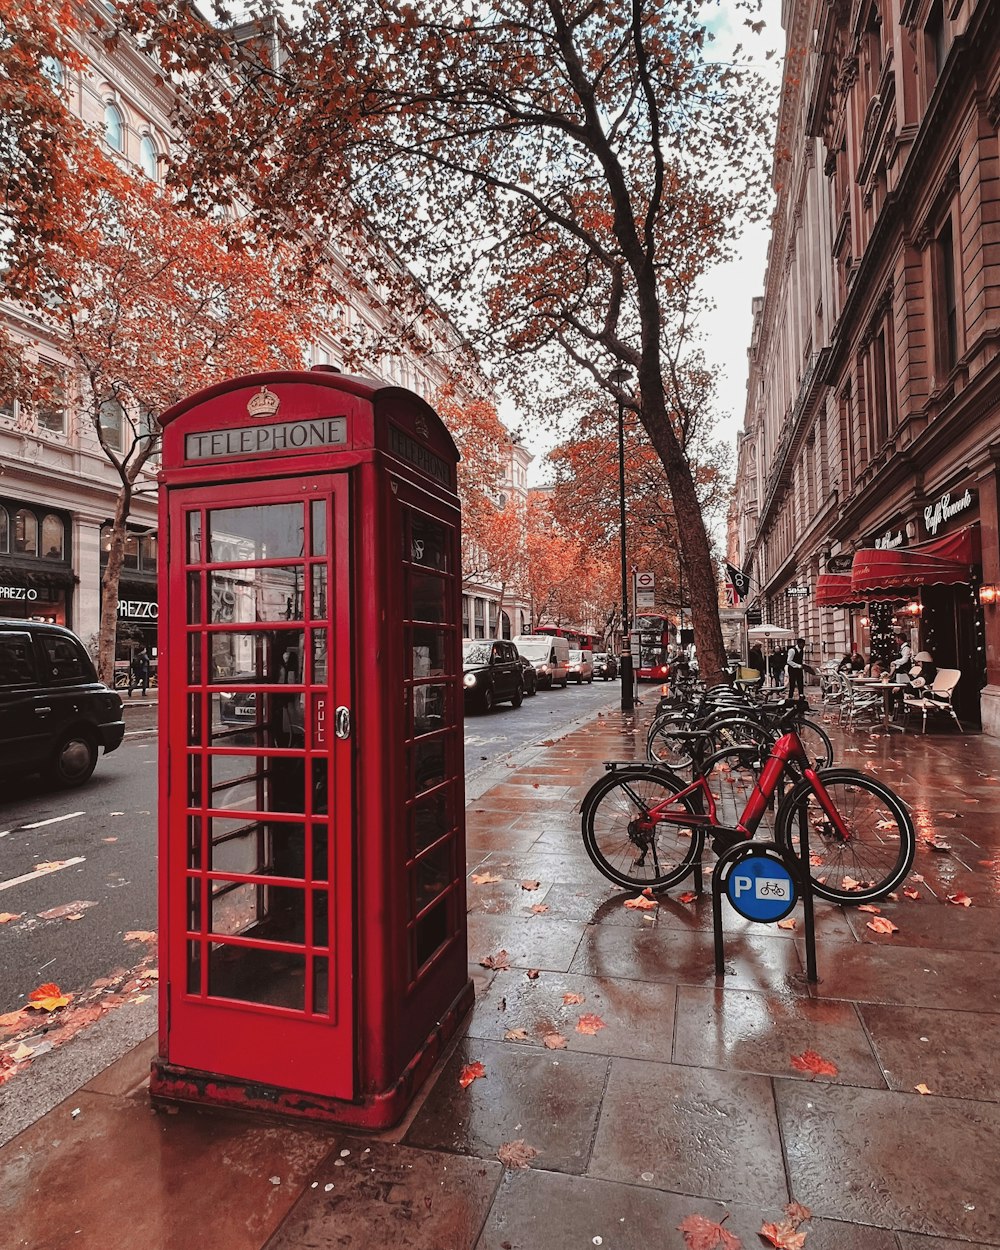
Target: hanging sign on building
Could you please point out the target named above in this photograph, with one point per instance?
(950, 504)
(840, 563)
(797, 592)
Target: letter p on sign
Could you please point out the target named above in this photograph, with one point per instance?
(741, 885)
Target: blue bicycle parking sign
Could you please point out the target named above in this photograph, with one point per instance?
(760, 887)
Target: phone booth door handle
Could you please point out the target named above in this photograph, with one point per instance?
(342, 722)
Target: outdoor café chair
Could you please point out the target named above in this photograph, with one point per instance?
(936, 698)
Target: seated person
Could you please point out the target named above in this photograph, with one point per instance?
(923, 670)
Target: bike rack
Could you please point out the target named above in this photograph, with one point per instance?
(796, 867)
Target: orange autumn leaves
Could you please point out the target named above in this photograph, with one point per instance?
(702, 1233)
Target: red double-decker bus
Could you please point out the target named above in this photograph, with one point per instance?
(575, 637)
(650, 638)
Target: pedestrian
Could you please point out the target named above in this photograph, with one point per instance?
(845, 664)
(139, 671)
(755, 660)
(858, 662)
(900, 668)
(776, 666)
(796, 662)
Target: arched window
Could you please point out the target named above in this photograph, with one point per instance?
(148, 158)
(53, 537)
(52, 68)
(25, 532)
(4, 532)
(114, 128)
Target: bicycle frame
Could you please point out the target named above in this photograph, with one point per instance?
(788, 749)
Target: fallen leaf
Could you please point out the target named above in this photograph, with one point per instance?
(948, 815)
(960, 899)
(876, 911)
(47, 997)
(688, 896)
(554, 1041)
(21, 1052)
(641, 903)
(530, 885)
(516, 1035)
(850, 884)
(941, 847)
(788, 923)
(532, 974)
(539, 908)
(7, 916)
(516, 1154)
(810, 1061)
(816, 861)
(911, 893)
(701, 1233)
(485, 878)
(783, 1235)
(140, 935)
(590, 1024)
(12, 1017)
(797, 1213)
(471, 1072)
(55, 863)
(573, 1000)
(109, 839)
(882, 924)
(498, 962)
(922, 1089)
(67, 911)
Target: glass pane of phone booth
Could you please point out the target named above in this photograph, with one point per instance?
(258, 674)
(432, 746)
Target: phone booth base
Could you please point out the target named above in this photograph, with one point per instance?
(380, 1110)
(313, 947)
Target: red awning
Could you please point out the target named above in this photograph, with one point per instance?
(943, 562)
(833, 590)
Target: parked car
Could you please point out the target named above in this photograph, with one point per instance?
(529, 674)
(605, 666)
(549, 655)
(581, 665)
(54, 713)
(492, 673)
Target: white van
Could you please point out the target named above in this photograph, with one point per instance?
(550, 657)
(581, 665)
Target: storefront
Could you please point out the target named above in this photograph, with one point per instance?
(36, 576)
(138, 609)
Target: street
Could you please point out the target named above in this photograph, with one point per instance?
(73, 918)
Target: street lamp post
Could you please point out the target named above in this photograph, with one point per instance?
(619, 377)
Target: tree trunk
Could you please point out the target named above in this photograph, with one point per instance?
(109, 588)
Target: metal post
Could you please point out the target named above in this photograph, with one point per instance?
(619, 377)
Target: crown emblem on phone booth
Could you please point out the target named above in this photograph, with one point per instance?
(263, 404)
(421, 426)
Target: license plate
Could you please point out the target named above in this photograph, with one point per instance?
(245, 711)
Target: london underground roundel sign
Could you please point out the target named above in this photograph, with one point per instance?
(761, 888)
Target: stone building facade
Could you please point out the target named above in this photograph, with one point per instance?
(873, 408)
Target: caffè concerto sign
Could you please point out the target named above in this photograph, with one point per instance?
(948, 506)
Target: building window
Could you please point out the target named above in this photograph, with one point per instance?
(881, 391)
(4, 531)
(147, 553)
(465, 617)
(53, 537)
(148, 159)
(114, 128)
(480, 617)
(935, 35)
(25, 533)
(51, 404)
(947, 299)
(52, 68)
(112, 422)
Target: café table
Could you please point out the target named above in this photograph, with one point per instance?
(888, 689)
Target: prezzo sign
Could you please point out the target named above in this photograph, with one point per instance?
(262, 440)
(18, 592)
(138, 610)
(935, 514)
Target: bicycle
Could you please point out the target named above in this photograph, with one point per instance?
(644, 826)
(734, 724)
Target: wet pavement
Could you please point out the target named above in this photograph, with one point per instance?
(648, 1090)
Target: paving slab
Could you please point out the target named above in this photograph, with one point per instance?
(953, 1053)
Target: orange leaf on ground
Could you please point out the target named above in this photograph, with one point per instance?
(51, 1003)
(516, 1035)
(882, 924)
(7, 916)
(797, 1213)
(516, 1154)
(48, 990)
(701, 1233)
(539, 908)
(850, 884)
(471, 1072)
(911, 893)
(922, 1089)
(783, 1236)
(647, 892)
(810, 1061)
(11, 1017)
(688, 896)
(530, 885)
(572, 1000)
(54, 863)
(876, 911)
(485, 878)
(960, 899)
(641, 904)
(788, 923)
(498, 962)
(590, 1024)
(532, 974)
(140, 935)
(554, 1041)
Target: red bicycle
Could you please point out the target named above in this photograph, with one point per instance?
(645, 827)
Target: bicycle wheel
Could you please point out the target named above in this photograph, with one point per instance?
(817, 743)
(878, 852)
(663, 745)
(739, 731)
(657, 856)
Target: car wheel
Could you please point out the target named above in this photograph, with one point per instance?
(590, 681)
(488, 700)
(74, 759)
(517, 698)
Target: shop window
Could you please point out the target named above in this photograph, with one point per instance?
(131, 560)
(147, 553)
(51, 401)
(53, 538)
(114, 128)
(25, 533)
(4, 531)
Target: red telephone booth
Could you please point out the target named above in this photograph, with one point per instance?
(312, 837)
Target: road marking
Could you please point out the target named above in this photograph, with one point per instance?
(42, 872)
(54, 820)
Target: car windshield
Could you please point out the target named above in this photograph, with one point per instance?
(599, 657)
(534, 650)
(476, 653)
(575, 657)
